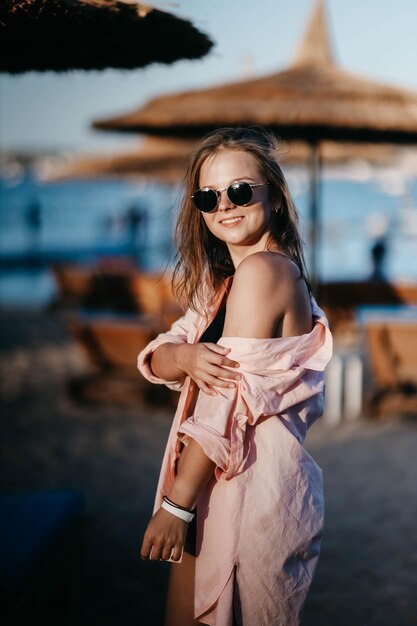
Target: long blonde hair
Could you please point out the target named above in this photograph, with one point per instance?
(199, 252)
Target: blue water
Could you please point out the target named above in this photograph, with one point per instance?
(84, 220)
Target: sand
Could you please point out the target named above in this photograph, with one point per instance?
(367, 574)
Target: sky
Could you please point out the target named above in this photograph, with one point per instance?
(50, 111)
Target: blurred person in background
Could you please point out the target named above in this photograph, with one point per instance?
(33, 218)
(379, 251)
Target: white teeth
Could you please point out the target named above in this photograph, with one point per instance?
(231, 220)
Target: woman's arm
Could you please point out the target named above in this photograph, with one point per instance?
(194, 471)
(165, 535)
(163, 362)
(205, 363)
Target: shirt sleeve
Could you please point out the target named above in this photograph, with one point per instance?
(181, 331)
(283, 377)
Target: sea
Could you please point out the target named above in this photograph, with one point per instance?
(86, 221)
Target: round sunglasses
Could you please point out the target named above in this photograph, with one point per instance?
(239, 193)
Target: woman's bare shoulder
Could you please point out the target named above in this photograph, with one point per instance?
(268, 287)
(260, 295)
(266, 269)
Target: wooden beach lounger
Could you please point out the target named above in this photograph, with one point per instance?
(73, 281)
(118, 287)
(153, 295)
(111, 345)
(100, 286)
(392, 350)
(112, 342)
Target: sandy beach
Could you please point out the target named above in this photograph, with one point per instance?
(367, 574)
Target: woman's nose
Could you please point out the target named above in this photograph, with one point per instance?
(224, 201)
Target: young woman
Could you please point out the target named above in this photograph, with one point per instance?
(249, 358)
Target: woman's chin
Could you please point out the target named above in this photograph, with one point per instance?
(242, 239)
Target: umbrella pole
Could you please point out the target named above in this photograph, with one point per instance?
(315, 167)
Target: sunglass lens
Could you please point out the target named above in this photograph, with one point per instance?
(205, 200)
(240, 193)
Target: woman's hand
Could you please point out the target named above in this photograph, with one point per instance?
(206, 364)
(164, 537)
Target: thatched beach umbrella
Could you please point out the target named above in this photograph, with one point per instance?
(158, 159)
(313, 100)
(62, 35)
(164, 160)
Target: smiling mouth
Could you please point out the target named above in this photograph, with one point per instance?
(231, 220)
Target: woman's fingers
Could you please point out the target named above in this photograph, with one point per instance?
(210, 382)
(164, 536)
(219, 376)
(216, 348)
(146, 548)
(216, 381)
(166, 553)
(160, 552)
(176, 553)
(155, 554)
(210, 368)
(221, 372)
(207, 389)
(224, 362)
(221, 359)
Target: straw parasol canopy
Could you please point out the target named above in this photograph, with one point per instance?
(158, 159)
(314, 99)
(164, 160)
(60, 35)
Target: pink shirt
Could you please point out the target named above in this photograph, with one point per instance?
(260, 518)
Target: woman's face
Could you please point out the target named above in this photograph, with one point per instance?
(236, 225)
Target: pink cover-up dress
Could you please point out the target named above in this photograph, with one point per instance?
(260, 518)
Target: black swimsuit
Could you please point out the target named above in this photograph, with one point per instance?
(211, 335)
(214, 331)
